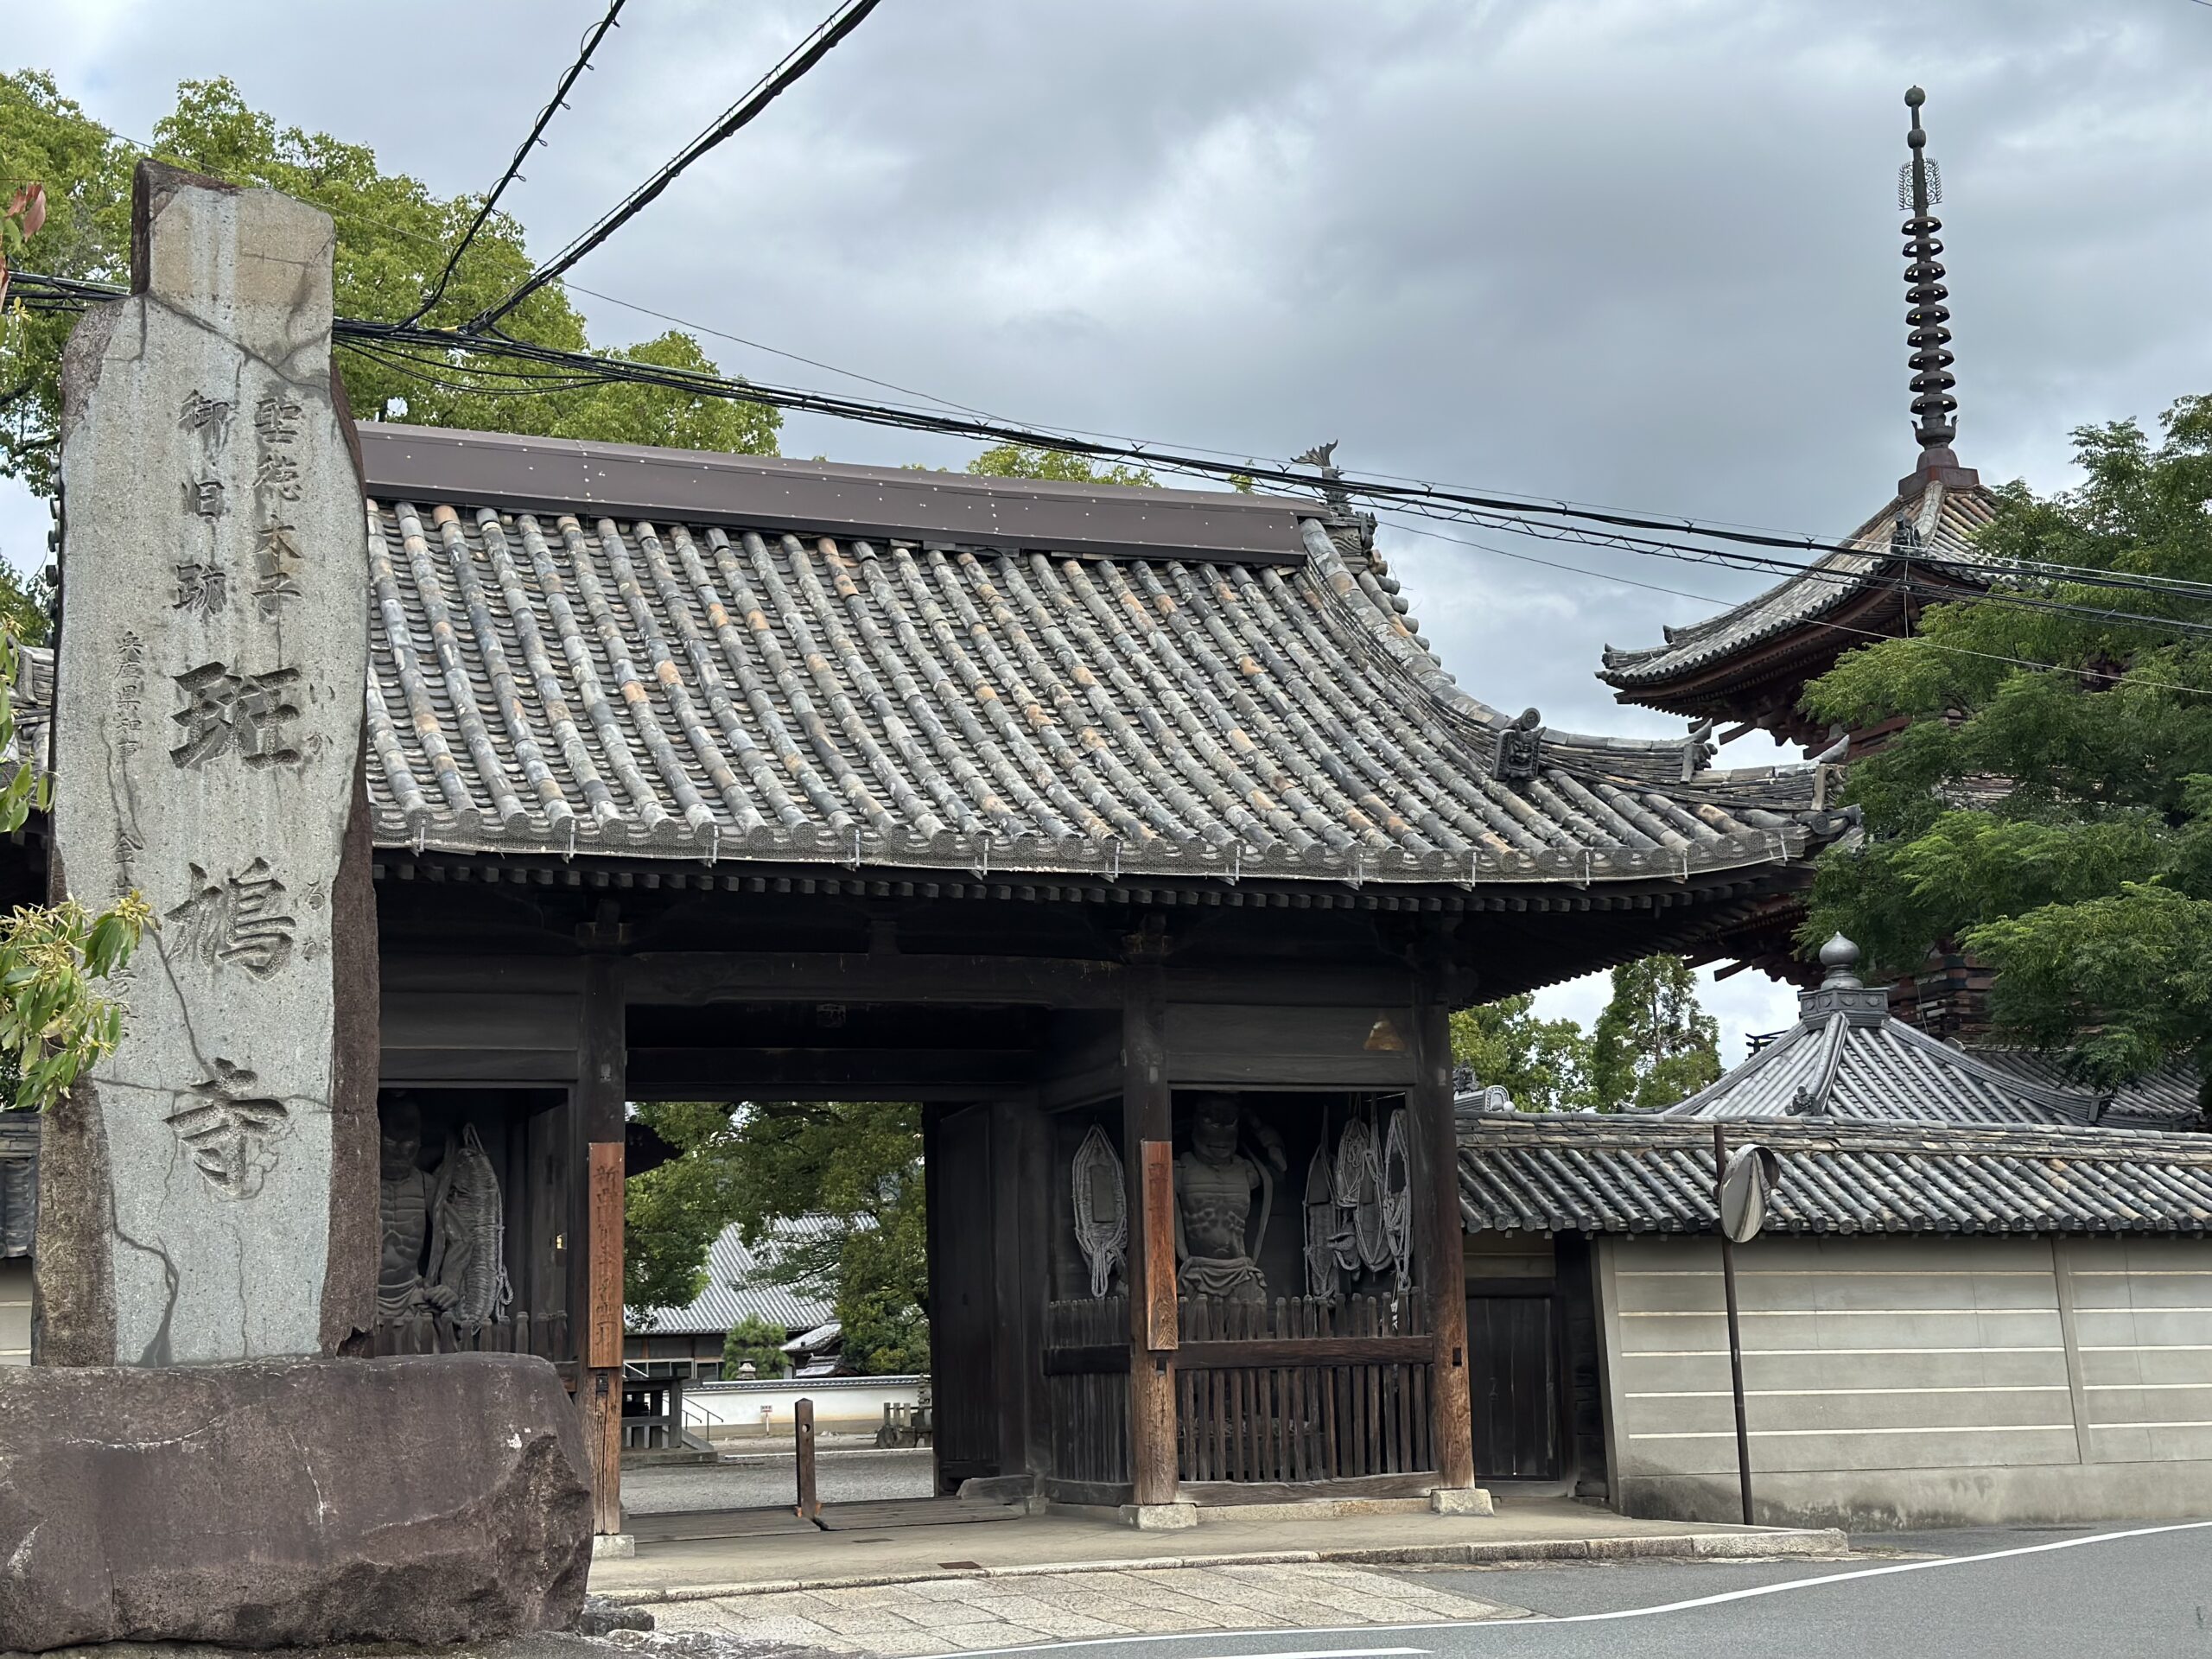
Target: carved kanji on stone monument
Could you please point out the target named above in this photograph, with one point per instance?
(209, 1187)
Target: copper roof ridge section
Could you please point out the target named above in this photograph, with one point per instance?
(637, 481)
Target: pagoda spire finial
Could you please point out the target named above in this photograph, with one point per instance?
(1935, 410)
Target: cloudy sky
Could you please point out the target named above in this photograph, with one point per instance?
(1642, 253)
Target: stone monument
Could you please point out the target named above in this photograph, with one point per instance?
(212, 1190)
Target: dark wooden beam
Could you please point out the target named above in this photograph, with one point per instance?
(655, 1071)
(690, 978)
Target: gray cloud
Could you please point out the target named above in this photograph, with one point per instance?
(1643, 253)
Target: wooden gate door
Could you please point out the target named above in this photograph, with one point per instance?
(1513, 1373)
(963, 1304)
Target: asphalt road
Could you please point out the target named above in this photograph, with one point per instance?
(2028, 1594)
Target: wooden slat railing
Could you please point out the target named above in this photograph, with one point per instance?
(1294, 1392)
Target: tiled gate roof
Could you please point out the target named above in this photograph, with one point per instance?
(1568, 1173)
(721, 684)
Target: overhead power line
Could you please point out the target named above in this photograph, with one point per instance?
(1919, 641)
(802, 58)
(589, 44)
(396, 346)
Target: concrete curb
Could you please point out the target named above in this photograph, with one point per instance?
(1710, 1546)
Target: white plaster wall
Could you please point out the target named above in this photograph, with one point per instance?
(1898, 1381)
(16, 1312)
(733, 1410)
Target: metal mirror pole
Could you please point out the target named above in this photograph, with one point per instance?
(1735, 1332)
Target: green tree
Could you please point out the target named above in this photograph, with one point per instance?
(394, 235)
(861, 1164)
(753, 1341)
(1543, 1064)
(1025, 461)
(2055, 821)
(1654, 1043)
(673, 1215)
(55, 960)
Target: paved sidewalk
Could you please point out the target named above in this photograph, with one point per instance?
(1524, 1529)
(955, 1615)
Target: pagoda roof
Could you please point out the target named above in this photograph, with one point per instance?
(1715, 668)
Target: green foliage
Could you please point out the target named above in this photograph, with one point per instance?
(774, 1161)
(1654, 1043)
(673, 1215)
(393, 238)
(27, 605)
(2055, 822)
(1023, 461)
(859, 1164)
(1543, 1064)
(55, 1018)
(756, 1342)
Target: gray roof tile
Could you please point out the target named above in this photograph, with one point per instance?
(1846, 1059)
(738, 1287)
(1555, 1173)
(554, 679)
(550, 679)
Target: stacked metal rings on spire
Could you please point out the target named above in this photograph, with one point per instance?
(1933, 405)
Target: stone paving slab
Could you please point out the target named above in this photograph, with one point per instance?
(1072, 1550)
(965, 1615)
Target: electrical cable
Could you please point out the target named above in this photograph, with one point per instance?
(1428, 501)
(786, 74)
(589, 43)
(1917, 640)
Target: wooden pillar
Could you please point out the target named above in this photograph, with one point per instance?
(601, 1116)
(1147, 1126)
(1443, 1243)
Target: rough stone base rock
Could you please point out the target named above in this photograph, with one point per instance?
(603, 1617)
(1461, 1500)
(1158, 1517)
(291, 1503)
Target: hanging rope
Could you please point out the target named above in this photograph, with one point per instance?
(1104, 1240)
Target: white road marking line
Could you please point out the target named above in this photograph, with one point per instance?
(1329, 1653)
(1543, 1621)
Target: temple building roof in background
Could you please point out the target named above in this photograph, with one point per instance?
(739, 1288)
(1846, 1059)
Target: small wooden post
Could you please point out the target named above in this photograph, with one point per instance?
(1147, 1125)
(809, 1503)
(1735, 1332)
(1436, 1141)
(602, 1395)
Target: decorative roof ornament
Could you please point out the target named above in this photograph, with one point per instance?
(1840, 957)
(1935, 410)
(1519, 756)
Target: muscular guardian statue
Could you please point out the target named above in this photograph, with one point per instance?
(1214, 1183)
(406, 1208)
